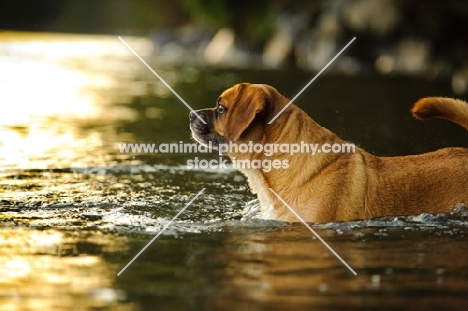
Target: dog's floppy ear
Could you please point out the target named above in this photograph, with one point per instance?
(249, 101)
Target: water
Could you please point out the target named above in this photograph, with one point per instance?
(74, 210)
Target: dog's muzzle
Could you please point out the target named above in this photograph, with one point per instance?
(202, 132)
(196, 124)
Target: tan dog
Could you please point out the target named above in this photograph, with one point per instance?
(331, 186)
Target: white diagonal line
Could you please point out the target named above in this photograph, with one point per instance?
(161, 79)
(161, 231)
(313, 79)
(313, 231)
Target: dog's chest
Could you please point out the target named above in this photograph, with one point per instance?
(258, 186)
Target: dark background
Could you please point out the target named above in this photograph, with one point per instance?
(380, 25)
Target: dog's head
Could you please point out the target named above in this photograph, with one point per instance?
(241, 114)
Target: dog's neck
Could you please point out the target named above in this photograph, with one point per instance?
(315, 135)
(271, 206)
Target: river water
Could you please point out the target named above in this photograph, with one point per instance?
(75, 210)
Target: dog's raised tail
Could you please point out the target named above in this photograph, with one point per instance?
(454, 110)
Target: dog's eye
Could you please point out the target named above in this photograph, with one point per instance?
(221, 109)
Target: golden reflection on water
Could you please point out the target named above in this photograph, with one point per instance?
(51, 84)
(289, 269)
(51, 270)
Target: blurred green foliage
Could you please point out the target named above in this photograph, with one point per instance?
(110, 16)
(252, 20)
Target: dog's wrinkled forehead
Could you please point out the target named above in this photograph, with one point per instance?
(230, 96)
(245, 92)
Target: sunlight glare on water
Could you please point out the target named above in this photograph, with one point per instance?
(50, 84)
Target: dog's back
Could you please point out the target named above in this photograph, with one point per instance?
(435, 181)
(432, 182)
